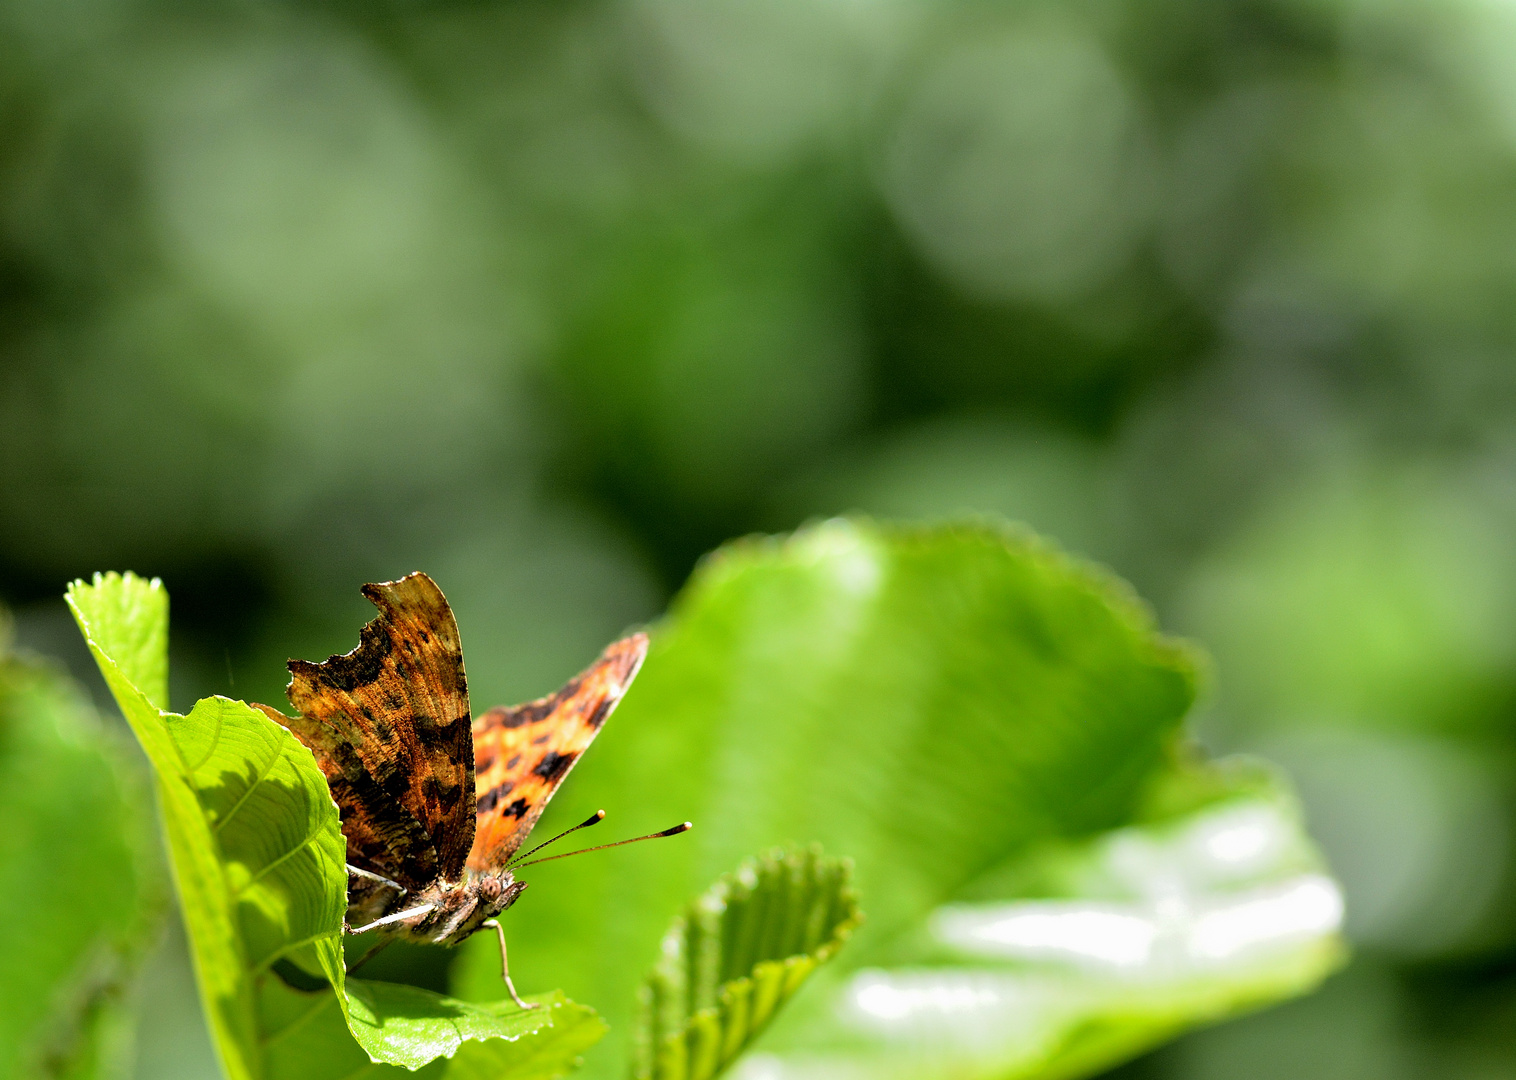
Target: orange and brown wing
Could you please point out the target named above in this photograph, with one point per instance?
(389, 725)
(522, 753)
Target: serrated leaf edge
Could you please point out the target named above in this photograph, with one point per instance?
(754, 998)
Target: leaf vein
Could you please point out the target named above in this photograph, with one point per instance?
(309, 840)
(215, 744)
(258, 780)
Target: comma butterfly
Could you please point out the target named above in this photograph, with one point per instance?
(435, 803)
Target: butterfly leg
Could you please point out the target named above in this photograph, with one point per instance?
(505, 966)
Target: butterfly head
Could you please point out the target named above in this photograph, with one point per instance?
(496, 892)
(479, 898)
(448, 912)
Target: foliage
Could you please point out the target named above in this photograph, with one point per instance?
(989, 729)
(737, 954)
(549, 299)
(258, 860)
(81, 889)
(974, 719)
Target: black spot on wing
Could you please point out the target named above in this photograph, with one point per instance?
(491, 798)
(394, 781)
(602, 710)
(380, 725)
(515, 760)
(514, 717)
(517, 809)
(453, 730)
(444, 795)
(533, 712)
(553, 765)
(381, 834)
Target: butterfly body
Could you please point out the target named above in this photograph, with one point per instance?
(445, 913)
(389, 724)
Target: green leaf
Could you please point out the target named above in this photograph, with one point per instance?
(81, 888)
(736, 955)
(1067, 959)
(133, 614)
(944, 705)
(413, 1026)
(259, 862)
(305, 1037)
(253, 836)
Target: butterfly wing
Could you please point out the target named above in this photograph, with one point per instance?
(389, 725)
(522, 753)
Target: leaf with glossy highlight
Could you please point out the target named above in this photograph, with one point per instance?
(960, 710)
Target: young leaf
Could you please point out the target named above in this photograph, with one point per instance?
(81, 886)
(259, 862)
(736, 955)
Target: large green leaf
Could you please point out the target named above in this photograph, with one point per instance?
(944, 705)
(259, 862)
(737, 954)
(81, 888)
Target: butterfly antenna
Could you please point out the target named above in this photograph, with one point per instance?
(594, 819)
(683, 826)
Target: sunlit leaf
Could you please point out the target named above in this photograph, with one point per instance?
(736, 955)
(305, 1037)
(945, 706)
(259, 862)
(253, 835)
(1066, 960)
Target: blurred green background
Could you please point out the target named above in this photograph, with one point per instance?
(550, 298)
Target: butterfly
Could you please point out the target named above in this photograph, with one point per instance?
(436, 803)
